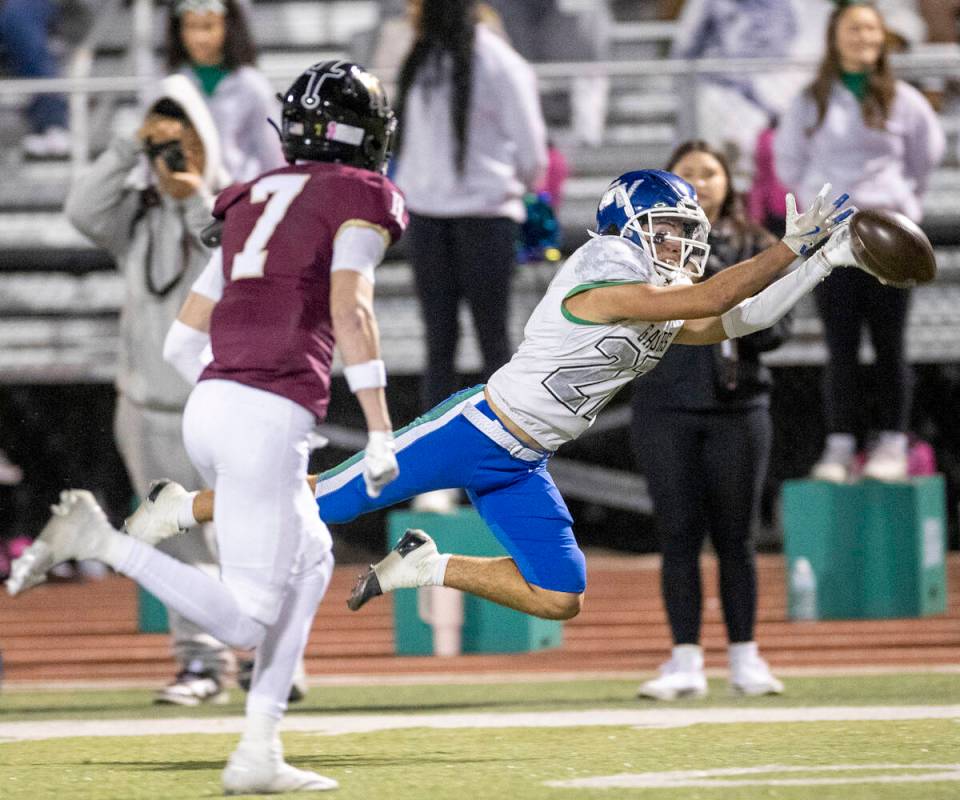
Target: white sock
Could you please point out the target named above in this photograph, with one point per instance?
(739, 652)
(841, 446)
(117, 549)
(688, 657)
(260, 729)
(895, 441)
(439, 570)
(279, 655)
(189, 591)
(185, 518)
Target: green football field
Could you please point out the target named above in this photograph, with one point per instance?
(865, 736)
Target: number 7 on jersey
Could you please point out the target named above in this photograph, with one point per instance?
(281, 191)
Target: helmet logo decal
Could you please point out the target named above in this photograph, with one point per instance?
(620, 194)
(311, 95)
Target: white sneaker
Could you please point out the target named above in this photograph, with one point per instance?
(410, 564)
(681, 676)
(836, 461)
(54, 142)
(749, 674)
(263, 771)
(191, 689)
(77, 530)
(158, 516)
(888, 460)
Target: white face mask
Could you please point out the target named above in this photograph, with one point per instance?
(683, 252)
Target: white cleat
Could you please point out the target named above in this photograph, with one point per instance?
(77, 530)
(749, 674)
(157, 517)
(251, 771)
(409, 564)
(682, 676)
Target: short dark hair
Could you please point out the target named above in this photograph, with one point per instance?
(238, 46)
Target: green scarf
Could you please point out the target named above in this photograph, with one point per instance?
(856, 82)
(210, 76)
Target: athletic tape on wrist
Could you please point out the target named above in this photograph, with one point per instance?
(368, 375)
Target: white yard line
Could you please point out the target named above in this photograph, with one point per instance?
(482, 678)
(332, 725)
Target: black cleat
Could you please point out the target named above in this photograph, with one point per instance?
(407, 565)
(367, 587)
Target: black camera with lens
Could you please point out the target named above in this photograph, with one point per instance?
(171, 152)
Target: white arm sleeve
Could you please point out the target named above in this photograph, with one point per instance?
(187, 350)
(767, 307)
(359, 248)
(210, 281)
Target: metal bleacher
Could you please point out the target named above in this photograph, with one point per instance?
(59, 298)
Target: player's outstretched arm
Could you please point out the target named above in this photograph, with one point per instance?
(707, 300)
(765, 309)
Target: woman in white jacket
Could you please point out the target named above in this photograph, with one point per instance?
(472, 141)
(859, 127)
(209, 42)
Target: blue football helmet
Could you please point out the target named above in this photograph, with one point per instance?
(643, 205)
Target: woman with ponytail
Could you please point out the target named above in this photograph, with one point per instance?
(859, 127)
(472, 141)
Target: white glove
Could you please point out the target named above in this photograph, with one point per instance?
(837, 251)
(158, 516)
(379, 462)
(805, 231)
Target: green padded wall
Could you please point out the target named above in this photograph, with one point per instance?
(877, 549)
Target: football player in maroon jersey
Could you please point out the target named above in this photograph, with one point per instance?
(292, 275)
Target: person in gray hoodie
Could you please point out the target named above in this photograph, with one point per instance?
(145, 200)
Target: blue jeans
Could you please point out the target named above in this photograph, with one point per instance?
(24, 27)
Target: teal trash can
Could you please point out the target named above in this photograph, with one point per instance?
(487, 627)
(877, 550)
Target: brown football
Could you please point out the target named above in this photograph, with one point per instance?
(892, 248)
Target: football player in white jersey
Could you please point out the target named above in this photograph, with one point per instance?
(610, 313)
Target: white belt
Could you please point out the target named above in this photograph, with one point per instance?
(495, 430)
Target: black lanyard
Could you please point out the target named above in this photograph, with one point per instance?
(150, 198)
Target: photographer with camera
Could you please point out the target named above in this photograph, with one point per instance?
(146, 200)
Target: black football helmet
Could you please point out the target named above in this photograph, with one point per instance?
(337, 111)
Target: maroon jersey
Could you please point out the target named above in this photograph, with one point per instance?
(271, 329)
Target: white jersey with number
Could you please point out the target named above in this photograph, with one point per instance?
(567, 369)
